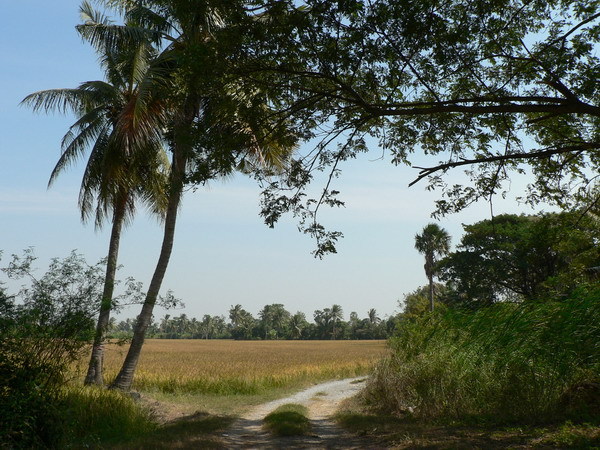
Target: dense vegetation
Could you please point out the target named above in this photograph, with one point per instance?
(44, 329)
(515, 336)
(505, 363)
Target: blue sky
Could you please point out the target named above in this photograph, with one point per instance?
(223, 253)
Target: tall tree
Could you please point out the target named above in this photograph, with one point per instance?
(214, 126)
(274, 319)
(433, 242)
(322, 319)
(126, 162)
(235, 315)
(297, 324)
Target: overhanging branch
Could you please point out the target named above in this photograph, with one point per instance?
(426, 171)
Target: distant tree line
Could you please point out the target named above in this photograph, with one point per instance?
(273, 322)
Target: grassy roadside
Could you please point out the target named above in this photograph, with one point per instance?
(406, 432)
(516, 375)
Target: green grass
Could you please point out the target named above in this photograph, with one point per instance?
(237, 404)
(288, 420)
(569, 435)
(97, 416)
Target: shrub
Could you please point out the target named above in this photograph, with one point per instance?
(40, 336)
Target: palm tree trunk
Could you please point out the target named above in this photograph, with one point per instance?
(124, 379)
(431, 293)
(94, 372)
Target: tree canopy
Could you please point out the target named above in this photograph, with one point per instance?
(512, 257)
(495, 86)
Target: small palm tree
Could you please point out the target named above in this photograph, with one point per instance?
(433, 242)
(336, 316)
(372, 317)
(297, 324)
(126, 160)
(235, 315)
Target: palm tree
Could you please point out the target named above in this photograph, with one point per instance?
(297, 324)
(433, 242)
(336, 315)
(235, 315)
(372, 316)
(126, 161)
(213, 127)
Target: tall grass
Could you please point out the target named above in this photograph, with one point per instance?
(96, 416)
(510, 362)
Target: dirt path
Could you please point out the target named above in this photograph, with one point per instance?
(321, 400)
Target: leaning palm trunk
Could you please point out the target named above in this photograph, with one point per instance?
(94, 373)
(124, 379)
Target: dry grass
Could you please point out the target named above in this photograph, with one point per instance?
(243, 367)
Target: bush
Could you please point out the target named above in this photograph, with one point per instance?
(509, 362)
(40, 336)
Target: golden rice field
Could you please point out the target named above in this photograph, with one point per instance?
(242, 367)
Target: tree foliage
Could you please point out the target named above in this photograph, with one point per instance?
(273, 322)
(514, 257)
(496, 87)
(43, 329)
(433, 242)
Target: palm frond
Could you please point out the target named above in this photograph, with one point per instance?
(86, 130)
(88, 192)
(115, 38)
(61, 100)
(92, 16)
(144, 17)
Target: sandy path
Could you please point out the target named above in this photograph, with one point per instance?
(322, 401)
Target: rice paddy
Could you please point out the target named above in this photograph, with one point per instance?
(226, 367)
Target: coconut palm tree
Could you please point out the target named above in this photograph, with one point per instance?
(213, 125)
(297, 324)
(235, 315)
(126, 160)
(433, 242)
(336, 316)
(372, 317)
